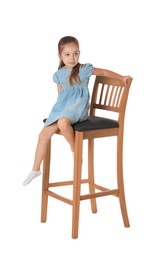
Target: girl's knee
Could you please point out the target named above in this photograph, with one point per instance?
(63, 123)
(48, 131)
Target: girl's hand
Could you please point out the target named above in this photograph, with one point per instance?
(124, 79)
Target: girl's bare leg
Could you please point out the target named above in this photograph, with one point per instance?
(43, 139)
(64, 125)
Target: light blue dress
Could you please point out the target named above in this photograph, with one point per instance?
(72, 101)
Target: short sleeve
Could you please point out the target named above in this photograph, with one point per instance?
(55, 78)
(88, 70)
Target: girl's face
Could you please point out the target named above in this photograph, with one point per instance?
(70, 55)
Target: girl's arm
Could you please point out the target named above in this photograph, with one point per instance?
(109, 74)
(59, 87)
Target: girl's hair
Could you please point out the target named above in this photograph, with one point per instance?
(74, 75)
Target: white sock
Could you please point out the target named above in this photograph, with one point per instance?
(31, 176)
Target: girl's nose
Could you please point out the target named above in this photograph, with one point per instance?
(73, 57)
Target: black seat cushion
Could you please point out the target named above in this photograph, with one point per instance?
(94, 123)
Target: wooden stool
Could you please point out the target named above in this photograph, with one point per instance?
(111, 95)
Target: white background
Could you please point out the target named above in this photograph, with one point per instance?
(123, 36)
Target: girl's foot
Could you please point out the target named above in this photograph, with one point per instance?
(31, 176)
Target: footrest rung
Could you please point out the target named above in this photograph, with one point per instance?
(59, 197)
(99, 194)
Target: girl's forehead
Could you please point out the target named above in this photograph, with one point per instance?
(70, 47)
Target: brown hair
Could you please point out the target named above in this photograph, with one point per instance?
(74, 75)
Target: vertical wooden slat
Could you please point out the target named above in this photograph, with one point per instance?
(111, 94)
(101, 94)
(106, 95)
(119, 97)
(115, 96)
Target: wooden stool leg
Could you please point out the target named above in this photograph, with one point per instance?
(91, 173)
(77, 182)
(121, 182)
(45, 182)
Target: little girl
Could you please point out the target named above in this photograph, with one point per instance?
(72, 104)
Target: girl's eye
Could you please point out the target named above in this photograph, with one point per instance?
(76, 53)
(66, 54)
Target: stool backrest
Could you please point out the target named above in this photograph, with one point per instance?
(110, 94)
